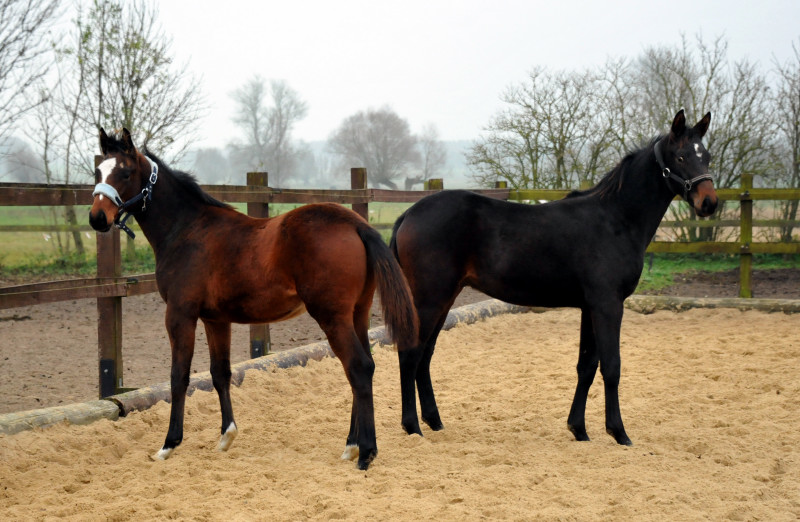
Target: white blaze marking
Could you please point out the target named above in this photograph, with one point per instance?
(350, 452)
(227, 438)
(697, 150)
(106, 168)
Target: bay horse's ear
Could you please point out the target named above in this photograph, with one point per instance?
(702, 126)
(127, 142)
(679, 124)
(103, 141)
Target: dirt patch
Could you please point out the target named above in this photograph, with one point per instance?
(783, 283)
(709, 397)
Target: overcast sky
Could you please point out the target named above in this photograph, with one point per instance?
(441, 62)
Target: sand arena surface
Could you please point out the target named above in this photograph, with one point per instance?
(710, 398)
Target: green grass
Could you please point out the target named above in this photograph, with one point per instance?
(665, 267)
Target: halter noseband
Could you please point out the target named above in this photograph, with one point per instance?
(125, 211)
(687, 184)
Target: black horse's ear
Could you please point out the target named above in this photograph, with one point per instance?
(679, 124)
(702, 126)
(103, 141)
(127, 142)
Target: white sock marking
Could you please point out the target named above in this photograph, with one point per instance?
(163, 454)
(227, 438)
(350, 452)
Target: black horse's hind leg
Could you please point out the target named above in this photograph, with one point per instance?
(607, 321)
(219, 347)
(415, 372)
(587, 368)
(181, 335)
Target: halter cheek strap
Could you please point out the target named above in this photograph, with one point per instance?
(687, 184)
(125, 212)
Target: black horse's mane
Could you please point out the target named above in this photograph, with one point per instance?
(613, 180)
(187, 182)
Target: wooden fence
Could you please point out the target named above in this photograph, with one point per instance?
(110, 286)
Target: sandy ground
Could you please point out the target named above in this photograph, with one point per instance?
(710, 398)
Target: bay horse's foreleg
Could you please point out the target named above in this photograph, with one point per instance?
(219, 347)
(181, 331)
(587, 368)
(607, 321)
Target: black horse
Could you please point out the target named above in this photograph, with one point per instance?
(584, 251)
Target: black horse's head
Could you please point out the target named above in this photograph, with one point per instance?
(684, 163)
(121, 176)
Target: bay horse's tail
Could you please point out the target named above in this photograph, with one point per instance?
(399, 314)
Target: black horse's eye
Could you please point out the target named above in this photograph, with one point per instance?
(680, 159)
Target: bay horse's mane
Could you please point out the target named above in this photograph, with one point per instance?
(187, 182)
(613, 180)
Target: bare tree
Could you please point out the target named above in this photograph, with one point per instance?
(552, 134)
(432, 156)
(24, 39)
(266, 115)
(379, 140)
(787, 116)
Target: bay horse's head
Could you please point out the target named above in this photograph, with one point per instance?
(125, 180)
(684, 164)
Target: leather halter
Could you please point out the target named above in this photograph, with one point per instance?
(687, 184)
(125, 211)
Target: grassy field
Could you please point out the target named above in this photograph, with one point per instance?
(50, 253)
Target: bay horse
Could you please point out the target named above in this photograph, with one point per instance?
(221, 266)
(585, 251)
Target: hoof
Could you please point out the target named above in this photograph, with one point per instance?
(350, 452)
(435, 424)
(621, 438)
(363, 464)
(227, 438)
(412, 429)
(579, 433)
(163, 454)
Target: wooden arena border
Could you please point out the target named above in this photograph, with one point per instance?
(116, 406)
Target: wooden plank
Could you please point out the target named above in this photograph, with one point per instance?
(67, 290)
(260, 340)
(32, 194)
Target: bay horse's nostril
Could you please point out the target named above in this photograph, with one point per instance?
(98, 221)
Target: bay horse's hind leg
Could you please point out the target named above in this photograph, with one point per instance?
(219, 347)
(587, 368)
(361, 324)
(359, 369)
(181, 335)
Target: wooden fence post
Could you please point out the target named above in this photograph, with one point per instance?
(260, 342)
(109, 312)
(358, 181)
(746, 237)
(434, 184)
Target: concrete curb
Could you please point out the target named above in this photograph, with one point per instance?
(120, 405)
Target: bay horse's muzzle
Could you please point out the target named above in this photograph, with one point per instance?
(102, 214)
(704, 198)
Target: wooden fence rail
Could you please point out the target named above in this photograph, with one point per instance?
(109, 287)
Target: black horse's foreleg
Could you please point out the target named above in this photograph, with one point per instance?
(219, 347)
(181, 335)
(607, 321)
(587, 368)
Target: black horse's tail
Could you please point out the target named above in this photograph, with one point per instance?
(399, 314)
